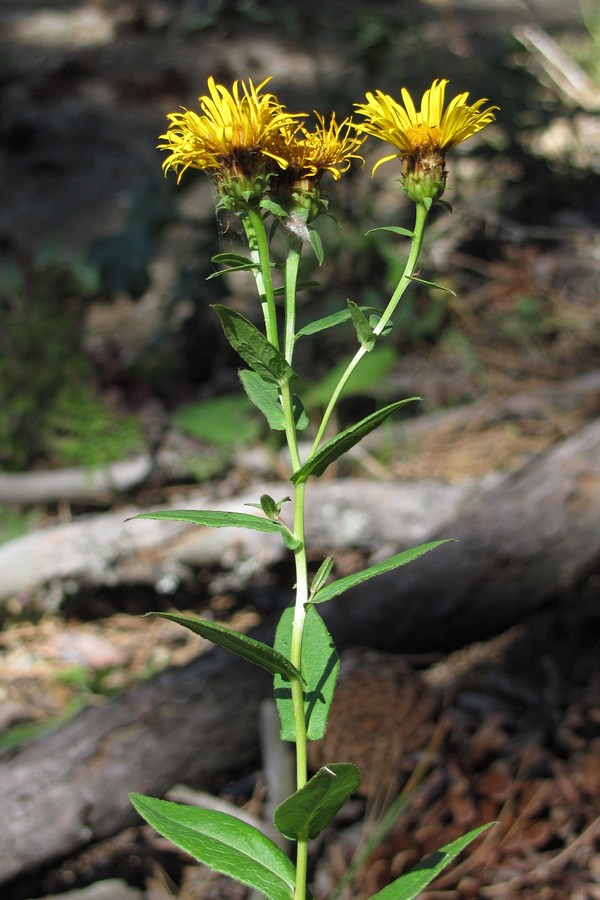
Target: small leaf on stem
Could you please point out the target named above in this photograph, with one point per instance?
(320, 666)
(307, 812)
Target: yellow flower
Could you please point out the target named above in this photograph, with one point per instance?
(234, 137)
(423, 136)
(308, 156)
(329, 148)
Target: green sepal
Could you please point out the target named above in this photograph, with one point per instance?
(321, 577)
(364, 332)
(342, 442)
(265, 396)
(254, 651)
(410, 885)
(223, 843)
(320, 666)
(396, 229)
(432, 284)
(251, 344)
(444, 203)
(305, 814)
(335, 588)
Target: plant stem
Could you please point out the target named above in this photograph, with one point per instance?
(417, 239)
(291, 275)
(259, 254)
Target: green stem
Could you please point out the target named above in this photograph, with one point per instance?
(409, 269)
(259, 254)
(292, 264)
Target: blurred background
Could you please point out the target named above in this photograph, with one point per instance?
(116, 386)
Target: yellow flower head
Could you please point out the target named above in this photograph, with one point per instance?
(329, 148)
(235, 136)
(423, 136)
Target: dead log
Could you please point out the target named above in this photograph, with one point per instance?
(70, 788)
(107, 549)
(527, 540)
(522, 543)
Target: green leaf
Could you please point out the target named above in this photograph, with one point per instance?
(342, 442)
(432, 284)
(234, 262)
(393, 562)
(321, 576)
(222, 842)
(331, 321)
(316, 244)
(396, 229)
(307, 812)
(214, 519)
(320, 665)
(364, 332)
(274, 208)
(222, 421)
(254, 651)
(270, 507)
(265, 396)
(410, 885)
(253, 347)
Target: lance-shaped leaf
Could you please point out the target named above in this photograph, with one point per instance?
(222, 842)
(432, 284)
(265, 396)
(254, 651)
(342, 442)
(320, 666)
(321, 576)
(306, 813)
(234, 262)
(410, 885)
(317, 244)
(331, 321)
(393, 562)
(364, 331)
(253, 347)
(396, 229)
(214, 518)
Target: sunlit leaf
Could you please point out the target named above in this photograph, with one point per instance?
(320, 666)
(334, 588)
(306, 813)
(223, 843)
(254, 651)
(410, 885)
(341, 443)
(251, 344)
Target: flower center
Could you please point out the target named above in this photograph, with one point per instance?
(422, 135)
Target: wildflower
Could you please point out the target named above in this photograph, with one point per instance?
(234, 139)
(422, 137)
(308, 155)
